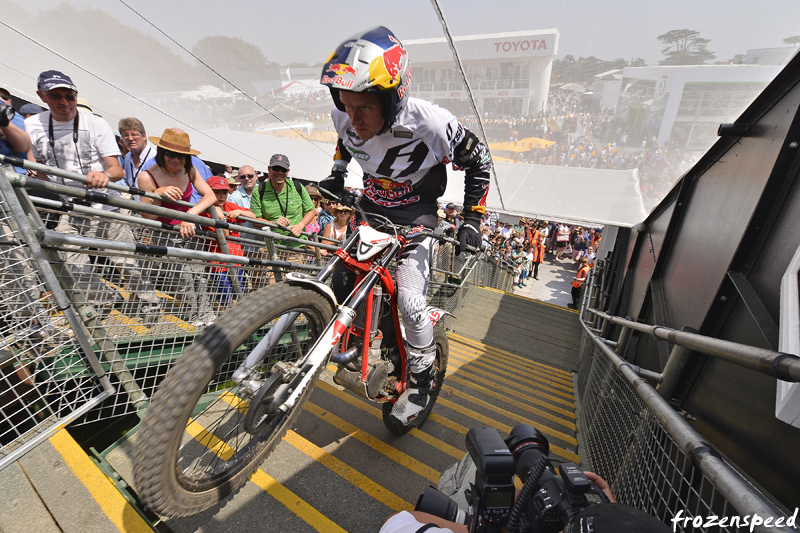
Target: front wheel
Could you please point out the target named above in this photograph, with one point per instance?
(194, 448)
(439, 369)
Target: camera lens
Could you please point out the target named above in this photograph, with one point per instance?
(528, 445)
(439, 504)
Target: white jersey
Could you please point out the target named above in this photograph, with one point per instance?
(404, 167)
(95, 141)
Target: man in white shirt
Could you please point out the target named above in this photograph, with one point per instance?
(78, 141)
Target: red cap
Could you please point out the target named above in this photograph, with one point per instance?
(218, 184)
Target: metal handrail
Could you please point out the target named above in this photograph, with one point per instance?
(736, 489)
(780, 365)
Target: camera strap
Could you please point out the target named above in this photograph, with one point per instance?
(426, 527)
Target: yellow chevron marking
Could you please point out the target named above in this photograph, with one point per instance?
(347, 472)
(376, 444)
(535, 386)
(121, 513)
(374, 410)
(491, 349)
(294, 503)
(520, 419)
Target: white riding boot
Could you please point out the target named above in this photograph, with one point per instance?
(414, 399)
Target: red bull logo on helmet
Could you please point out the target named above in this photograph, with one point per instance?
(342, 69)
(385, 70)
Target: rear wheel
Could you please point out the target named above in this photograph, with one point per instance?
(439, 368)
(194, 447)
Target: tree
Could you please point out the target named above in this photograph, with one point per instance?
(230, 53)
(685, 47)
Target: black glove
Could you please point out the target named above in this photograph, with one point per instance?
(469, 238)
(332, 187)
(6, 114)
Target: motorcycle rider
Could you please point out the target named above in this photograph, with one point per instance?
(403, 145)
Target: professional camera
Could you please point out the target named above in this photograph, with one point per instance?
(548, 501)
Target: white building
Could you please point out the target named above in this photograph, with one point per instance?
(688, 103)
(509, 73)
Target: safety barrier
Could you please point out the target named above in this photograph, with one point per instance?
(95, 305)
(651, 457)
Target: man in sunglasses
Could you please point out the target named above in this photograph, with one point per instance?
(281, 202)
(247, 183)
(79, 141)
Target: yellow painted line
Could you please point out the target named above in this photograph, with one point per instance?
(266, 482)
(521, 392)
(210, 441)
(294, 503)
(376, 444)
(521, 377)
(504, 428)
(508, 414)
(516, 377)
(492, 349)
(349, 473)
(181, 323)
(517, 365)
(121, 513)
(377, 412)
(525, 407)
(128, 321)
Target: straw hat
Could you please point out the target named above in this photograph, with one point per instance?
(341, 207)
(174, 141)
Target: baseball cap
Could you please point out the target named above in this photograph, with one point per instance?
(30, 109)
(218, 183)
(451, 205)
(279, 160)
(53, 79)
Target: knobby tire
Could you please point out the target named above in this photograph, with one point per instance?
(197, 411)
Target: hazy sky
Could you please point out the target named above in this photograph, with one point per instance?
(307, 30)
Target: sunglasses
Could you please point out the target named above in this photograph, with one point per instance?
(279, 169)
(174, 155)
(69, 97)
(246, 176)
(5, 96)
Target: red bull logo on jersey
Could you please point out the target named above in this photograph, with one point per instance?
(385, 70)
(385, 184)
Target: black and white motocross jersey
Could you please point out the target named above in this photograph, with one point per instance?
(404, 167)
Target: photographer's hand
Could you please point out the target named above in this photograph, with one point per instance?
(601, 484)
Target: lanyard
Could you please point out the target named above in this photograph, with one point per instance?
(142, 158)
(52, 140)
(284, 210)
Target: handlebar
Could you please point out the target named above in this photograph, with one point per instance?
(349, 200)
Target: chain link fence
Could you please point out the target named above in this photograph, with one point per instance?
(95, 305)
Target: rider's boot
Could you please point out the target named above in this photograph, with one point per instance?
(415, 398)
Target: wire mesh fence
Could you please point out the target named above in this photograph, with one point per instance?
(651, 458)
(45, 378)
(143, 294)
